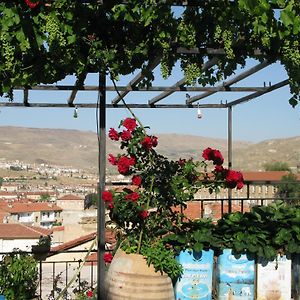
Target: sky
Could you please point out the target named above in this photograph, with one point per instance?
(267, 117)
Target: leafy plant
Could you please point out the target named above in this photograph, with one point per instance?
(148, 211)
(264, 232)
(44, 241)
(289, 189)
(277, 166)
(197, 235)
(18, 276)
(41, 249)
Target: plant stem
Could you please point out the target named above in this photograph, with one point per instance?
(147, 207)
(130, 110)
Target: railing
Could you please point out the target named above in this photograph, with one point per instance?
(55, 276)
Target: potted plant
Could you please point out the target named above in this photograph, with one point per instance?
(147, 211)
(42, 248)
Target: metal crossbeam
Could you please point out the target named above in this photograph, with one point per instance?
(257, 94)
(94, 105)
(233, 80)
(90, 88)
(181, 82)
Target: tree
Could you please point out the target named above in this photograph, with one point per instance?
(277, 166)
(289, 189)
(44, 197)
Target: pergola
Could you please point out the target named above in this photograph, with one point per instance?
(212, 57)
(154, 103)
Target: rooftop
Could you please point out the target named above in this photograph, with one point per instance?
(20, 231)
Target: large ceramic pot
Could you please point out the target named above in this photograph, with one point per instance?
(129, 278)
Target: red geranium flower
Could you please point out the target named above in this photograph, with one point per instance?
(136, 180)
(113, 134)
(133, 197)
(124, 164)
(219, 169)
(144, 214)
(214, 155)
(129, 123)
(107, 257)
(126, 135)
(147, 142)
(181, 162)
(132, 160)
(107, 196)
(110, 205)
(32, 4)
(234, 179)
(154, 141)
(112, 159)
(89, 294)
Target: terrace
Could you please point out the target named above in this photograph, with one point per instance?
(212, 52)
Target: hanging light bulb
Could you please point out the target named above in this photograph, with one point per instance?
(75, 115)
(199, 113)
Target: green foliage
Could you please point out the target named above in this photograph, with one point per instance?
(162, 259)
(277, 166)
(44, 197)
(263, 232)
(197, 235)
(147, 214)
(289, 189)
(18, 276)
(46, 43)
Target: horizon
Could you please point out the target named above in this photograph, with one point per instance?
(155, 133)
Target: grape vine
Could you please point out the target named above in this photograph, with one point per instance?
(53, 40)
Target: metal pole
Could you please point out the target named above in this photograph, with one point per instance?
(229, 154)
(101, 207)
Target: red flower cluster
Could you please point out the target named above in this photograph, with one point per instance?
(214, 155)
(32, 4)
(132, 196)
(107, 196)
(136, 180)
(89, 294)
(112, 159)
(113, 134)
(124, 163)
(144, 214)
(234, 179)
(108, 257)
(149, 142)
(129, 123)
(126, 135)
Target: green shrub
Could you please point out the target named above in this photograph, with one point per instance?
(18, 276)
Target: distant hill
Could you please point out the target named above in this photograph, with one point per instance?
(79, 148)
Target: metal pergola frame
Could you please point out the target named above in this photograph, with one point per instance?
(118, 102)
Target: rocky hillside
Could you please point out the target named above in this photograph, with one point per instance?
(79, 149)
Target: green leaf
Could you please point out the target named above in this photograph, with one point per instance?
(293, 101)
(198, 247)
(287, 16)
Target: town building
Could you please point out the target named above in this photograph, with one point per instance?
(34, 214)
